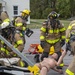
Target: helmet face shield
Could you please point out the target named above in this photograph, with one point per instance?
(25, 17)
(25, 14)
(53, 15)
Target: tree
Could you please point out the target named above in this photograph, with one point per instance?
(63, 8)
(41, 8)
(72, 7)
(53, 4)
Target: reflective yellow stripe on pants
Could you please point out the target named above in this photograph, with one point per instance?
(69, 72)
(52, 41)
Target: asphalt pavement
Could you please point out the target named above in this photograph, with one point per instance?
(34, 39)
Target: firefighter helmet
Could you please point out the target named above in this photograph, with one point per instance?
(25, 12)
(53, 14)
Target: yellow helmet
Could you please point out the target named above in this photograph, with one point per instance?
(27, 12)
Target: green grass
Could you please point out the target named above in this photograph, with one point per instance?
(65, 22)
(37, 23)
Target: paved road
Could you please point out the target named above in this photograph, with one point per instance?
(34, 39)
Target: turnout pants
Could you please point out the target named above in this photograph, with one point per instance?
(71, 69)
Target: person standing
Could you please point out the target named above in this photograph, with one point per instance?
(70, 41)
(5, 22)
(52, 33)
(20, 24)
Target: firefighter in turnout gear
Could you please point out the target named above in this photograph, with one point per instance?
(6, 30)
(70, 39)
(21, 27)
(52, 34)
(5, 23)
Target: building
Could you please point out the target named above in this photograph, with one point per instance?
(14, 7)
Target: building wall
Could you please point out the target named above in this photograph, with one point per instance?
(2, 5)
(22, 4)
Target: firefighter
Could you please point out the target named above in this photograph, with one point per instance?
(70, 40)
(52, 33)
(20, 24)
(5, 22)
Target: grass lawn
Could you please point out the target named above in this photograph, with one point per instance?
(37, 23)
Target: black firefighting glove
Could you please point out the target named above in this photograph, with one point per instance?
(42, 43)
(68, 48)
(62, 42)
